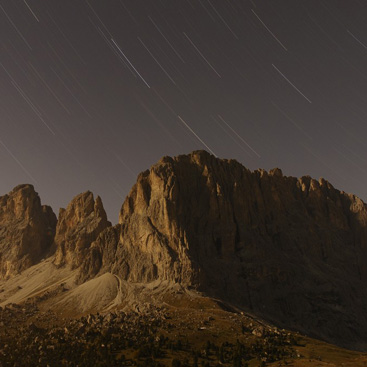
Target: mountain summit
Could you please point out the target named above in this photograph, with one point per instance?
(290, 251)
(26, 230)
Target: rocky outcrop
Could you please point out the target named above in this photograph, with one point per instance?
(26, 230)
(101, 256)
(77, 227)
(290, 250)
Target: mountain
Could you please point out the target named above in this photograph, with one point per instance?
(77, 227)
(27, 229)
(288, 251)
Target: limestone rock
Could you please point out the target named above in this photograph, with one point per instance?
(77, 227)
(101, 254)
(26, 230)
(290, 250)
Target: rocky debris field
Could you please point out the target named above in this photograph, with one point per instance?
(157, 337)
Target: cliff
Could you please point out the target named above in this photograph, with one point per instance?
(27, 229)
(289, 250)
(77, 227)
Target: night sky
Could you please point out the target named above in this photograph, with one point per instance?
(94, 92)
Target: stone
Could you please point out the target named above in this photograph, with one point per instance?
(77, 227)
(289, 250)
(26, 230)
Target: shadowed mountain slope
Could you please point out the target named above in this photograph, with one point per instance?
(290, 250)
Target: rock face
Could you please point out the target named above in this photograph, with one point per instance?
(290, 250)
(26, 230)
(77, 227)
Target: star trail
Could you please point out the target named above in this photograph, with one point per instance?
(93, 92)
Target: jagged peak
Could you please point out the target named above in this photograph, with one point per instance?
(84, 202)
(277, 172)
(26, 186)
(269, 242)
(78, 226)
(22, 201)
(27, 230)
(209, 165)
(196, 155)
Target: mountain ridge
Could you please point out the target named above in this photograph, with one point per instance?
(288, 250)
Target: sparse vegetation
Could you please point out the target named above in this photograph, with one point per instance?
(156, 338)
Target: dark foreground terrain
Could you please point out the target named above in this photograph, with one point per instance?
(203, 335)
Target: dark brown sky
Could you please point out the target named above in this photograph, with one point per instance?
(93, 92)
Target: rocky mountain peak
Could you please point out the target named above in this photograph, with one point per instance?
(270, 243)
(21, 202)
(289, 249)
(26, 230)
(276, 172)
(77, 227)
